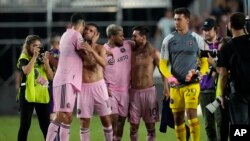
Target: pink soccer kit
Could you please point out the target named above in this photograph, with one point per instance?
(93, 96)
(117, 77)
(67, 81)
(143, 104)
(119, 103)
(69, 69)
(65, 96)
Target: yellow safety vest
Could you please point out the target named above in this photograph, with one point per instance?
(35, 92)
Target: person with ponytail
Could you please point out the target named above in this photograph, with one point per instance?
(35, 70)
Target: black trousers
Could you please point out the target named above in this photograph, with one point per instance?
(26, 112)
(213, 121)
(238, 109)
(225, 121)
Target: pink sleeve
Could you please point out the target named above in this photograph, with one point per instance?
(77, 38)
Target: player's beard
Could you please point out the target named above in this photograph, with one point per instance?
(88, 40)
(137, 44)
(118, 44)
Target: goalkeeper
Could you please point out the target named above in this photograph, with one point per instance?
(181, 50)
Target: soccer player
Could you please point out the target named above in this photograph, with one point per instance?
(94, 94)
(143, 98)
(180, 50)
(68, 79)
(117, 77)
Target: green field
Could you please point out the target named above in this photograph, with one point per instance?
(9, 127)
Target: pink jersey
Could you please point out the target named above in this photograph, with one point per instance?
(117, 70)
(70, 64)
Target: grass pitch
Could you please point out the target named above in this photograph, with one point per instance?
(9, 126)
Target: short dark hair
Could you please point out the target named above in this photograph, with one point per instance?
(183, 11)
(95, 25)
(142, 29)
(237, 20)
(76, 18)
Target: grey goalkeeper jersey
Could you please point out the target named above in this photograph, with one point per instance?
(182, 51)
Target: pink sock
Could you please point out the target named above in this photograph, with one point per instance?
(84, 134)
(108, 133)
(52, 131)
(64, 132)
(133, 135)
(151, 135)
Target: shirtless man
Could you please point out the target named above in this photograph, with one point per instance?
(94, 94)
(143, 99)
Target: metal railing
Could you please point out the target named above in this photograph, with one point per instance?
(84, 3)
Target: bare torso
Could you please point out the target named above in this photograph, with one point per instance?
(92, 71)
(142, 69)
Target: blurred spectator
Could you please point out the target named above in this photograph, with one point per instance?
(222, 23)
(196, 23)
(235, 6)
(54, 51)
(222, 9)
(219, 7)
(164, 27)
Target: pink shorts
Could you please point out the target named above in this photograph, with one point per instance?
(143, 103)
(119, 103)
(64, 98)
(93, 96)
